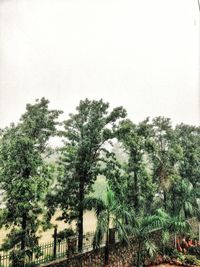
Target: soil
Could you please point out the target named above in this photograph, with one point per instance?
(163, 265)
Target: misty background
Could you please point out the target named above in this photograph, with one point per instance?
(142, 54)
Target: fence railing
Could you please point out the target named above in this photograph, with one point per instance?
(53, 250)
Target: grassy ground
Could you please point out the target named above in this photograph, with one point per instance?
(89, 225)
(89, 216)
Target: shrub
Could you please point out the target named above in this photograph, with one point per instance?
(169, 251)
(65, 234)
(181, 257)
(192, 260)
(194, 251)
(17, 258)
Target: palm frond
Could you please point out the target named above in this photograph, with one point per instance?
(110, 199)
(188, 208)
(162, 214)
(101, 229)
(126, 216)
(152, 223)
(150, 247)
(179, 225)
(165, 237)
(121, 230)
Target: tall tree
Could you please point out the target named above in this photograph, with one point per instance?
(165, 155)
(87, 132)
(139, 185)
(189, 139)
(24, 176)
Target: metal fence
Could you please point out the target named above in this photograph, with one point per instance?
(53, 250)
(47, 254)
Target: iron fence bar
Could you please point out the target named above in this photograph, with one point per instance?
(52, 250)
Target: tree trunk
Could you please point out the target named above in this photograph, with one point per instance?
(199, 232)
(23, 238)
(21, 261)
(80, 217)
(107, 249)
(136, 193)
(173, 202)
(175, 241)
(139, 255)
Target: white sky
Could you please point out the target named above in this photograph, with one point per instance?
(142, 54)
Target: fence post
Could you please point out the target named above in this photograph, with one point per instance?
(72, 243)
(54, 241)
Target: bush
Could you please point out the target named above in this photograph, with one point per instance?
(194, 251)
(65, 234)
(181, 257)
(192, 260)
(17, 258)
(169, 251)
(173, 253)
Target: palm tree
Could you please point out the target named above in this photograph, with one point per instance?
(188, 205)
(172, 224)
(143, 228)
(110, 214)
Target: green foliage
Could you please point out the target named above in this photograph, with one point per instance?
(185, 202)
(172, 252)
(165, 155)
(65, 234)
(195, 250)
(150, 247)
(178, 225)
(134, 176)
(191, 260)
(152, 170)
(87, 133)
(142, 229)
(24, 176)
(184, 259)
(158, 160)
(110, 214)
(189, 139)
(39, 123)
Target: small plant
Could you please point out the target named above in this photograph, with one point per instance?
(181, 257)
(192, 260)
(17, 258)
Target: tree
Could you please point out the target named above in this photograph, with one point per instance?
(110, 214)
(24, 176)
(165, 155)
(189, 140)
(145, 226)
(87, 132)
(185, 199)
(142, 229)
(139, 187)
(39, 123)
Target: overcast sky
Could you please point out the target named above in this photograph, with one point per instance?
(142, 54)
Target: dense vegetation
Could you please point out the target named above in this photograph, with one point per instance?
(151, 168)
